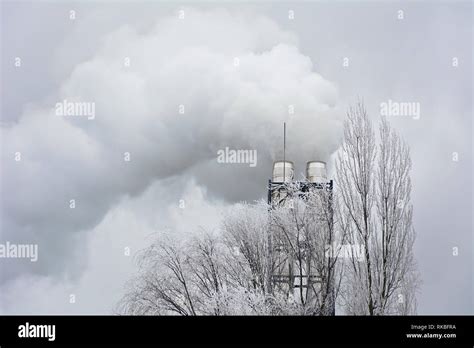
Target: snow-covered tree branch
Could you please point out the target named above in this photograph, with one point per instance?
(375, 186)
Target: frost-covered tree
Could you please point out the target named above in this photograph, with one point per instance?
(374, 188)
(231, 271)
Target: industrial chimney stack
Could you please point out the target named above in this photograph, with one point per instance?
(283, 171)
(316, 171)
(283, 274)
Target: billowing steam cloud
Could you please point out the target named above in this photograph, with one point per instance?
(170, 98)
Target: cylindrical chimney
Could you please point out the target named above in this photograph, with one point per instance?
(316, 171)
(283, 166)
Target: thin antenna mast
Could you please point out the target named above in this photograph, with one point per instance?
(284, 151)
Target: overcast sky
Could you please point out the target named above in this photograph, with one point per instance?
(235, 68)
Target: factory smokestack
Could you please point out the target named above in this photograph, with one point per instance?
(316, 171)
(283, 171)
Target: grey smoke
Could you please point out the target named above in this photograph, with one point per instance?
(178, 62)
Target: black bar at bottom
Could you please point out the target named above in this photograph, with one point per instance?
(139, 330)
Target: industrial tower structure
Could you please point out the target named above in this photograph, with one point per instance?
(287, 276)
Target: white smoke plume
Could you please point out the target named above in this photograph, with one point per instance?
(236, 76)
